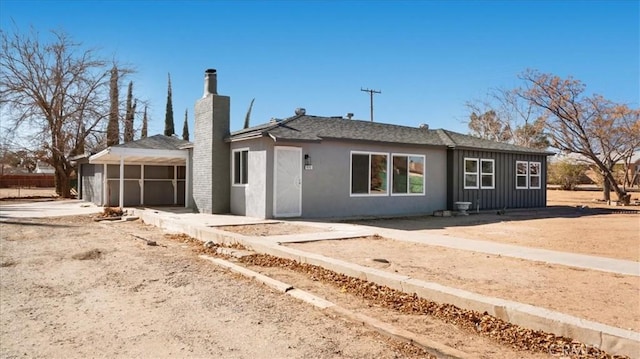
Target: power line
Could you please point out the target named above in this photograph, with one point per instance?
(371, 92)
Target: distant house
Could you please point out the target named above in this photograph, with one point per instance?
(312, 167)
(44, 168)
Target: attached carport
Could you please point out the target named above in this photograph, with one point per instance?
(149, 171)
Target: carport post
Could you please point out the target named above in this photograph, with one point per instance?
(187, 182)
(121, 194)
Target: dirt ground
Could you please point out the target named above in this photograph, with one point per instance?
(77, 288)
(565, 289)
(71, 287)
(575, 222)
(26, 192)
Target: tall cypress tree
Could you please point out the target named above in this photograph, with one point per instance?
(128, 118)
(143, 132)
(113, 128)
(169, 129)
(185, 127)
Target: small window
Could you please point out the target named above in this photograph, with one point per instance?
(407, 174)
(368, 173)
(522, 174)
(470, 173)
(240, 167)
(534, 175)
(487, 174)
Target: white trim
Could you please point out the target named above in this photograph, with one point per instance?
(233, 167)
(368, 194)
(141, 184)
(493, 173)
(525, 175)
(277, 149)
(465, 173)
(108, 154)
(539, 175)
(121, 184)
(187, 183)
(105, 186)
(390, 175)
(174, 183)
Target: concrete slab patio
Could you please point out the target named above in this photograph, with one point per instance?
(49, 208)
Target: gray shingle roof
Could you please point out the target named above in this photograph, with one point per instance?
(156, 142)
(315, 128)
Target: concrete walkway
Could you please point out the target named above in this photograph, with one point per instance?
(603, 264)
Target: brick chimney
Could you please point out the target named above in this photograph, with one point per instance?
(211, 154)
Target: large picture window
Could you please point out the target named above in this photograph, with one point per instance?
(369, 173)
(407, 174)
(522, 174)
(240, 167)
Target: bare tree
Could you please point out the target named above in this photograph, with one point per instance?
(592, 126)
(506, 117)
(57, 90)
(489, 126)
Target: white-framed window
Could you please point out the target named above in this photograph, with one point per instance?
(487, 174)
(369, 173)
(240, 166)
(534, 175)
(522, 175)
(407, 174)
(471, 173)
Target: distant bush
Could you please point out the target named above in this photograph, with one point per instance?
(566, 174)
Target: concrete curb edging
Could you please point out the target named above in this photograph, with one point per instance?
(432, 347)
(610, 339)
(270, 282)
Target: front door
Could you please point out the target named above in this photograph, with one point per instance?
(287, 182)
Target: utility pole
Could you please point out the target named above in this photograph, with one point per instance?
(371, 92)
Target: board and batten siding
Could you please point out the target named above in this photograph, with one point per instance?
(504, 194)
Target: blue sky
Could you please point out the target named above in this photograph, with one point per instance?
(427, 57)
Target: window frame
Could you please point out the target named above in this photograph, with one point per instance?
(391, 177)
(539, 175)
(242, 162)
(368, 194)
(525, 175)
(493, 173)
(476, 173)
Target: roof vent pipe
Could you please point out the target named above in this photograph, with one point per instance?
(349, 115)
(300, 111)
(210, 82)
(424, 126)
